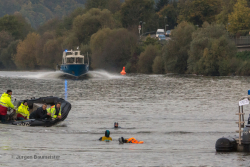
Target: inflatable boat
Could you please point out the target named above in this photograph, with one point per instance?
(241, 141)
(34, 104)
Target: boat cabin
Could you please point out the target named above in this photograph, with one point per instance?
(72, 57)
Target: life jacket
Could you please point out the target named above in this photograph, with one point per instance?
(5, 101)
(134, 141)
(54, 112)
(104, 138)
(23, 110)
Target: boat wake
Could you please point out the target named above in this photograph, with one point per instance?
(99, 74)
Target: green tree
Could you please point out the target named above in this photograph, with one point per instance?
(133, 11)
(7, 55)
(198, 11)
(158, 65)
(227, 8)
(160, 4)
(70, 41)
(68, 20)
(211, 51)
(101, 4)
(114, 5)
(9, 7)
(147, 58)
(50, 25)
(111, 5)
(52, 53)
(170, 12)
(38, 12)
(240, 18)
(151, 41)
(112, 49)
(175, 52)
(5, 39)
(11, 24)
(87, 24)
(45, 37)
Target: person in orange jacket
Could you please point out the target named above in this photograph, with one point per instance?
(130, 140)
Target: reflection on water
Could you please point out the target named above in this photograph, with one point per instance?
(66, 90)
(179, 118)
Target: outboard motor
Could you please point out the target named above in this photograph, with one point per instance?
(226, 144)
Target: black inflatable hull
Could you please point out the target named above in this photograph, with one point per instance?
(65, 108)
(226, 144)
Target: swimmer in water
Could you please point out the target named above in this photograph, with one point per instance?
(130, 140)
(116, 125)
(106, 137)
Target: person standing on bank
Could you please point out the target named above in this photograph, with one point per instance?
(55, 111)
(5, 103)
(23, 111)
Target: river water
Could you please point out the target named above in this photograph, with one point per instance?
(179, 118)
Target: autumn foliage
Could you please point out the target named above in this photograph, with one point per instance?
(107, 30)
(26, 51)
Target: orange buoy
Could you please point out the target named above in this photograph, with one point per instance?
(123, 72)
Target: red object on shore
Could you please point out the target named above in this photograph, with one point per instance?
(123, 72)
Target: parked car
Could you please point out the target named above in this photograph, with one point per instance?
(168, 33)
(162, 37)
(159, 32)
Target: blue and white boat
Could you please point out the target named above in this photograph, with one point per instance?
(73, 63)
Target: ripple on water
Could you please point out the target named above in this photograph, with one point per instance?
(179, 118)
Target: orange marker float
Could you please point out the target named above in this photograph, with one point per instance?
(123, 72)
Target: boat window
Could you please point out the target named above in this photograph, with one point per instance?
(68, 53)
(70, 60)
(76, 53)
(79, 60)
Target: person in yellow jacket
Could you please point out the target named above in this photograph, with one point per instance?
(23, 111)
(106, 137)
(55, 111)
(5, 103)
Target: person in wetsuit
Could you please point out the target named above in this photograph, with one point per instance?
(40, 113)
(106, 137)
(116, 125)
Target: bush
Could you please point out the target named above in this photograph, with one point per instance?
(245, 55)
(7, 55)
(112, 49)
(244, 69)
(211, 51)
(87, 24)
(175, 52)
(146, 59)
(158, 65)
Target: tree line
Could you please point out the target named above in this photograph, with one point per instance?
(108, 30)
